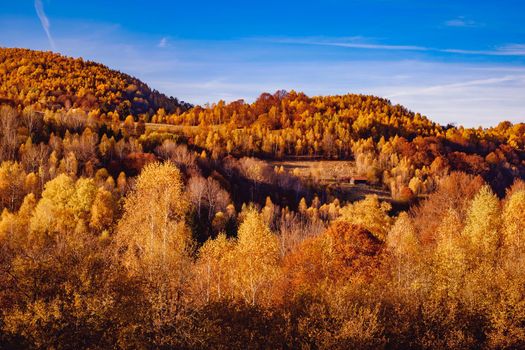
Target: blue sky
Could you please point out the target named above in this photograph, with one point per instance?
(454, 61)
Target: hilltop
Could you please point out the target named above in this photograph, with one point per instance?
(46, 80)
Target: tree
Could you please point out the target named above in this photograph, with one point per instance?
(53, 213)
(155, 243)
(12, 185)
(449, 262)
(122, 182)
(32, 120)
(513, 226)
(324, 262)
(214, 268)
(196, 189)
(403, 243)
(128, 125)
(255, 257)
(8, 133)
(370, 214)
(153, 226)
(103, 210)
(483, 221)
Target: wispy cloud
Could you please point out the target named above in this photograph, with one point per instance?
(352, 42)
(460, 85)
(461, 22)
(504, 50)
(512, 49)
(39, 7)
(163, 43)
(375, 46)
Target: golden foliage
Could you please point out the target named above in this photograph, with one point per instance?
(47, 80)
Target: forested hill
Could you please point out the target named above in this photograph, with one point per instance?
(46, 80)
(365, 115)
(391, 145)
(267, 225)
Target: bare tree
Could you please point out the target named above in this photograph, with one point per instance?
(207, 193)
(196, 189)
(32, 120)
(178, 154)
(35, 156)
(216, 198)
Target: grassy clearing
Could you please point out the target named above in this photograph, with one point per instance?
(337, 175)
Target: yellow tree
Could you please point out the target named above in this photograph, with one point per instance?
(370, 214)
(255, 257)
(103, 210)
(482, 239)
(64, 206)
(122, 182)
(507, 313)
(12, 178)
(57, 271)
(513, 227)
(449, 260)
(214, 268)
(403, 243)
(155, 241)
(482, 228)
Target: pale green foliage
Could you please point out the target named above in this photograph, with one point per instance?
(82, 199)
(64, 206)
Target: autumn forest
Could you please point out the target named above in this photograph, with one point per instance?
(133, 220)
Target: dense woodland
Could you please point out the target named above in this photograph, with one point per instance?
(114, 234)
(46, 80)
(392, 145)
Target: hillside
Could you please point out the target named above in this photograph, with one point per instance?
(46, 80)
(392, 146)
(292, 222)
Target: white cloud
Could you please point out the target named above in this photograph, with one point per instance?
(461, 22)
(163, 43)
(352, 42)
(504, 50)
(39, 7)
(512, 49)
(436, 89)
(376, 46)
